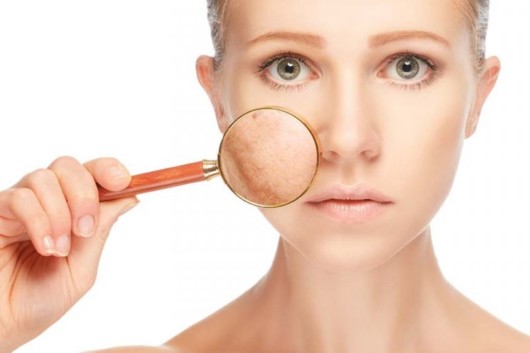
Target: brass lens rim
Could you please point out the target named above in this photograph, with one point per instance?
(308, 127)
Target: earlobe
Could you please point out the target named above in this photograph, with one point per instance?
(486, 82)
(206, 74)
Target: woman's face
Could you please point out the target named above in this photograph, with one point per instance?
(391, 91)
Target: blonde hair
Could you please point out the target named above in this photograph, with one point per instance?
(216, 18)
(475, 11)
(477, 15)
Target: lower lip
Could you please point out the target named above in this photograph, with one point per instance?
(350, 211)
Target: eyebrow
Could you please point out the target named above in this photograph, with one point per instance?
(385, 38)
(375, 41)
(305, 38)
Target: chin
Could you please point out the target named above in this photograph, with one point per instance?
(338, 253)
(348, 247)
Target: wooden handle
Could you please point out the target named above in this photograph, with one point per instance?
(156, 180)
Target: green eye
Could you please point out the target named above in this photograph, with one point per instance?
(407, 67)
(409, 71)
(288, 69)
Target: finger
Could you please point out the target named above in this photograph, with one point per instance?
(11, 227)
(80, 192)
(23, 205)
(109, 173)
(86, 252)
(47, 188)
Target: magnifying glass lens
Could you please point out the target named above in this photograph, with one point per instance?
(269, 157)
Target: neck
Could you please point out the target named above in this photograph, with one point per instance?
(387, 309)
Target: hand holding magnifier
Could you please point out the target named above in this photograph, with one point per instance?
(268, 157)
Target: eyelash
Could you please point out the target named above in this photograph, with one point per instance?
(432, 76)
(434, 71)
(276, 85)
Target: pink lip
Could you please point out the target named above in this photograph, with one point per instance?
(350, 205)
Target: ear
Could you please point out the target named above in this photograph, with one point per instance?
(486, 82)
(206, 73)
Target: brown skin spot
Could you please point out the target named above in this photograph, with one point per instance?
(268, 157)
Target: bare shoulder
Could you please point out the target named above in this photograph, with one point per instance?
(140, 349)
(519, 342)
(501, 337)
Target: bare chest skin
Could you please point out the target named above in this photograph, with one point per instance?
(215, 334)
(508, 343)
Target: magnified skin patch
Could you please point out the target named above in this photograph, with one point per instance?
(268, 157)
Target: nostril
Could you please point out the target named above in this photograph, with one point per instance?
(350, 145)
(330, 156)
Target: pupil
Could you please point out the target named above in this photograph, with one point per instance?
(408, 68)
(288, 69)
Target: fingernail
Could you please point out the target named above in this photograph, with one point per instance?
(117, 172)
(85, 226)
(128, 207)
(62, 245)
(47, 243)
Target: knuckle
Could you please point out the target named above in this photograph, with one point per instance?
(39, 176)
(111, 161)
(22, 196)
(64, 162)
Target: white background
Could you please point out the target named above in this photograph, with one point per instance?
(116, 78)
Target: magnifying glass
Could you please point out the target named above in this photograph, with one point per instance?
(268, 157)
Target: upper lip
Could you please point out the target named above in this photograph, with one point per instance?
(360, 192)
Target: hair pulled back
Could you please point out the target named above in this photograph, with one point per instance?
(475, 11)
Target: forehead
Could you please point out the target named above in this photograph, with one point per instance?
(340, 21)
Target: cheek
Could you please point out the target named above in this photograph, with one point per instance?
(238, 90)
(268, 157)
(423, 149)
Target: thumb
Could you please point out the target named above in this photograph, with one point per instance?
(86, 252)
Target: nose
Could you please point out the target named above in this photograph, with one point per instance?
(347, 128)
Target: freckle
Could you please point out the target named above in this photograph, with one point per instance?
(270, 160)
